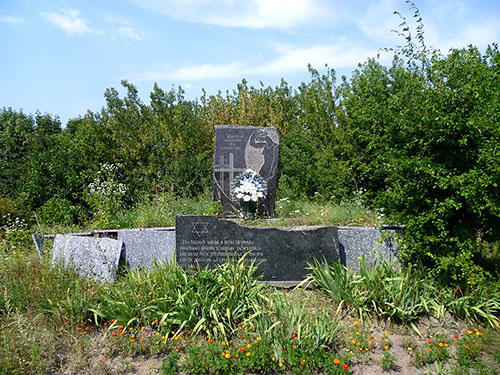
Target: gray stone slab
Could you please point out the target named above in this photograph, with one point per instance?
(142, 247)
(238, 148)
(38, 241)
(282, 254)
(96, 258)
(373, 243)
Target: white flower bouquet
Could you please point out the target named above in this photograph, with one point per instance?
(248, 188)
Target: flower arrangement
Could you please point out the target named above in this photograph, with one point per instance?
(247, 189)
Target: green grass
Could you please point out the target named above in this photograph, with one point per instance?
(52, 320)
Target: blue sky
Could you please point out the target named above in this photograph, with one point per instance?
(59, 56)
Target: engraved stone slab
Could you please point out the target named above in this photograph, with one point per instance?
(370, 242)
(238, 148)
(283, 254)
(96, 258)
(144, 247)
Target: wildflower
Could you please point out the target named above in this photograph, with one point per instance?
(441, 344)
(387, 333)
(114, 334)
(248, 354)
(133, 336)
(357, 333)
(157, 342)
(273, 359)
(294, 346)
(438, 351)
(156, 321)
(210, 341)
(259, 338)
(240, 324)
(466, 347)
(143, 339)
(386, 347)
(132, 340)
(243, 349)
(227, 356)
(203, 363)
(355, 323)
(302, 362)
(249, 346)
(345, 366)
(112, 321)
(369, 343)
(163, 337)
(294, 336)
(283, 349)
(281, 364)
(237, 356)
(430, 349)
(79, 329)
(456, 336)
(336, 361)
(429, 342)
(223, 343)
(469, 332)
(143, 328)
(184, 356)
(121, 333)
(474, 330)
(105, 324)
(177, 350)
(130, 329)
(372, 336)
(353, 342)
(445, 345)
(480, 334)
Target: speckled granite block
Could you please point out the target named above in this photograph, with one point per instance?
(96, 258)
(373, 243)
(144, 247)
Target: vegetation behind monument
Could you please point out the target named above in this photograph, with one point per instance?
(419, 138)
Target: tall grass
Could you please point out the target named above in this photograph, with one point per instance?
(402, 294)
(202, 300)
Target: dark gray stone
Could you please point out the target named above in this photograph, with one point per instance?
(143, 247)
(282, 254)
(96, 258)
(373, 243)
(238, 148)
(38, 241)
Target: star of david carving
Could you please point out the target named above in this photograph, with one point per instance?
(199, 227)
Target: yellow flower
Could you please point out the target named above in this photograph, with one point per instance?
(369, 342)
(223, 343)
(353, 342)
(281, 364)
(249, 346)
(357, 333)
(441, 344)
(386, 347)
(248, 354)
(227, 356)
(273, 359)
(132, 335)
(259, 338)
(355, 323)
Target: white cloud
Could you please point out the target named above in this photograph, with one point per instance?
(479, 35)
(290, 59)
(10, 19)
(379, 20)
(280, 14)
(129, 32)
(70, 21)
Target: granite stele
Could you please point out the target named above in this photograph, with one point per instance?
(143, 247)
(95, 258)
(282, 254)
(238, 148)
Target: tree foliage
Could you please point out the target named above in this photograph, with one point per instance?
(420, 138)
